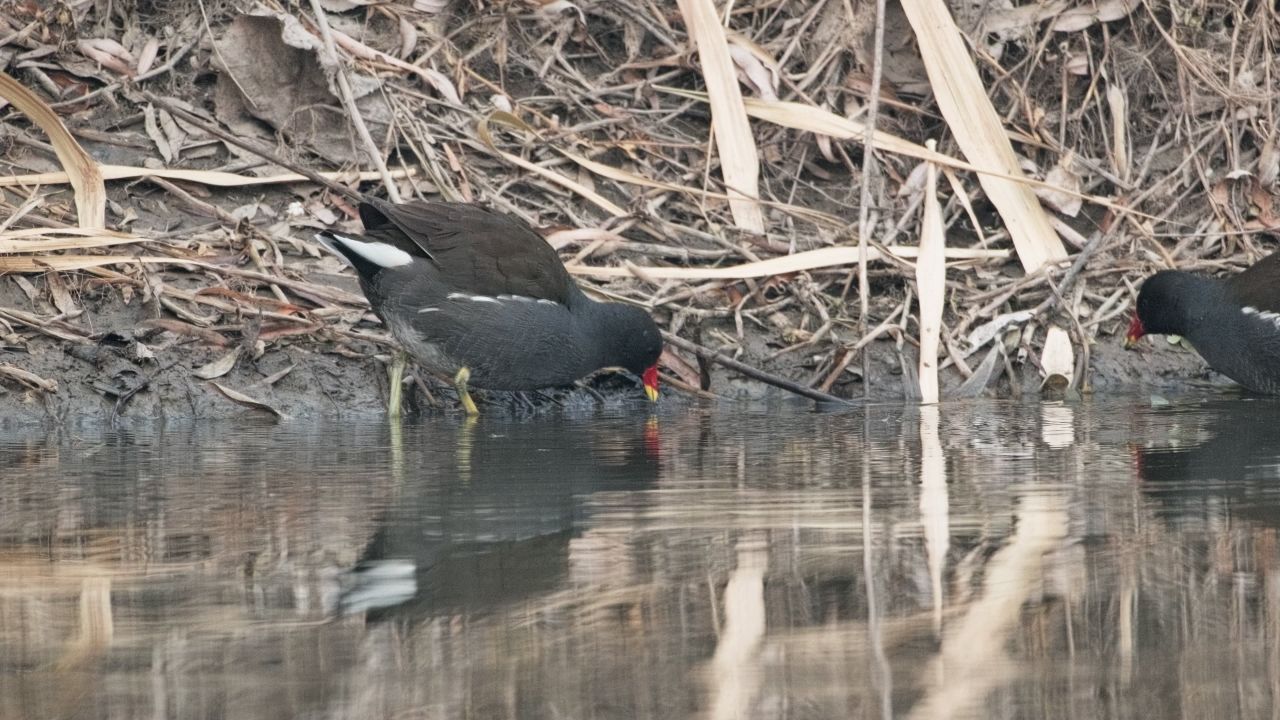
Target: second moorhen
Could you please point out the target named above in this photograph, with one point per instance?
(479, 296)
(1234, 323)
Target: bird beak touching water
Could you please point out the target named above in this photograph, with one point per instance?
(650, 379)
(1136, 331)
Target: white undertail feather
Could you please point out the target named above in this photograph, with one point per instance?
(380, 254)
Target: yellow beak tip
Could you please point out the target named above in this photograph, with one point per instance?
(651, 393)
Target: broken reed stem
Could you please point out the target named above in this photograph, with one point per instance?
(868, 167)
(751, 372)
(349, 100)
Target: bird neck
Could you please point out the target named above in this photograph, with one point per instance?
(606, 329)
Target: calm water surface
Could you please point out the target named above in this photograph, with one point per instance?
(1097, 560)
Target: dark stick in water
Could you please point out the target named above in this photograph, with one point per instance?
(751, 372)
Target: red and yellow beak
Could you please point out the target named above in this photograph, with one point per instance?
(650, 379)
(1136, 331)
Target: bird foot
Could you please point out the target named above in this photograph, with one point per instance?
(464, 397)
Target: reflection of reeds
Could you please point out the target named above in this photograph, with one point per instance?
(734, 674)
(1059, 575)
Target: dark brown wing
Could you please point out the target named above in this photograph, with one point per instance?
(1259, 286)
(477, 250)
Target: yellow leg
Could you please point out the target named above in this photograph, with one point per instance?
(460, 383)
(398, 363)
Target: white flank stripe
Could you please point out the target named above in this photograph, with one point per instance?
(430, 309)
(1262, 315)
(472, 298)
(380, 254)
(527, 299)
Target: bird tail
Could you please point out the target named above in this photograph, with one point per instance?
(366, 256)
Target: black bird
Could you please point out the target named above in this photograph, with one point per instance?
(1234, 323)
(479, 296)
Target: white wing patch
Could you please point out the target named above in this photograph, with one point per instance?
(1272, 317)
(380, 254)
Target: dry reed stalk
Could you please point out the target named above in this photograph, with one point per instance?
(931, 286)
(735, 145)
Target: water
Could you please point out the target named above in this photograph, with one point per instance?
(1102, 560)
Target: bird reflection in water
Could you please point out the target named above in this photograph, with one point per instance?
(1219, 458)
(495, 528)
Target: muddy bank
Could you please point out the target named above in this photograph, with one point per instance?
(132, 371)
(211, 276)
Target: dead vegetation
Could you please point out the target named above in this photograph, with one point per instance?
(703, 159)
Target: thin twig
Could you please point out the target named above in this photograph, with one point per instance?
(349, 100)
(261, 152)
(751, 372)
(868, 168)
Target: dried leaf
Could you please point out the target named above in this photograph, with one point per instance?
(237, 396)
(109, 54)
(219, 367)
(153, 132)
(988, 331)
(1067, 203)
(408, 38)
(147, 56)
(141, 352)
(176, 136)
(275, 377)
(33, 295)
(177, 327)
(434, 78)
(270, 71)
(1090, 14)
(753, 72)
(61, 297)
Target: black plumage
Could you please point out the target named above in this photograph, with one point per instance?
(466, 289)
(1234, 323)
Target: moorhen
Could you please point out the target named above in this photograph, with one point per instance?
(1234, 323)
(479, 296)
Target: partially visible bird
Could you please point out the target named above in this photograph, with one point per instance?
(1234, 322)
(480, 297)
